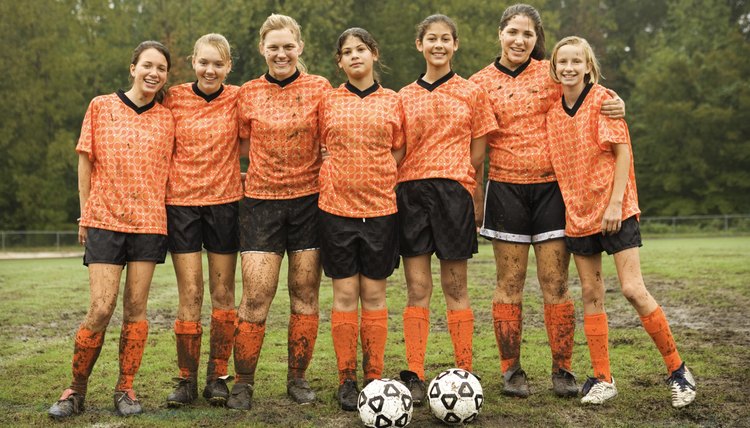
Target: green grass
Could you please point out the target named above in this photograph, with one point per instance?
(701, 283)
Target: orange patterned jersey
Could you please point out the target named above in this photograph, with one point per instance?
(360, 129)
(281, 120)
(581, 141)
(205, 165)
(440, 120)
(130, 148)
(520, 100)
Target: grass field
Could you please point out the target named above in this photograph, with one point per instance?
(703, 285)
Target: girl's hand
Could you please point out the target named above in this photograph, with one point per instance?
(612, 221)
(613, 108)
(324, 153)
(82, 234)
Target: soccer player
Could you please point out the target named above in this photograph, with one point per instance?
(278, 113)
(123, 157)
(203, 191)
(361, 129)
(447, 119)
(592, 158)
(523, 205)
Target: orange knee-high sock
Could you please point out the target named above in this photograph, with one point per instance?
(560, 320)
(508, 321)
(416, 331)
(374, 332)
(461, 329)
(88, 345)
(344, 330)
(597, 336)
(188, 337)
(132, 343)
(303, 332)
(657, 327)
(248, 341)
(222, 341)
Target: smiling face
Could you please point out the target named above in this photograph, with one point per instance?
(149, 73)
(281, 51)
(517, 40)
(571, 66)
(438, 46)
(356, 59)
(210, 68)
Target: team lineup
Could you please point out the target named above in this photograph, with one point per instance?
(354, 182)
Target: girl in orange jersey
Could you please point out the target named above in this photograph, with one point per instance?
(447, 119)
(361, 129)
(523, 206)
(203, 191)
(593, 161)
(278, 114)
(124, 153)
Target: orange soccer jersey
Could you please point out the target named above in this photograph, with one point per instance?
(580, 146)
(440, 120)
(281, 120)
(520, 100)
(360, 129)
(130, 148)
(205, 165)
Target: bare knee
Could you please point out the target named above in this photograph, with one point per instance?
(554, 287)
(510, 284)
(98, 316)
(636, 293)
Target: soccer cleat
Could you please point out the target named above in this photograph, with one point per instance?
(347, 395)
(597, 391)
(682, 384)
(564, 383)
(515, 384)
(185, 392)
(126, 403)
(69, 404)
(241, 397)
(416, 386)
(216, 391)
(299, 390)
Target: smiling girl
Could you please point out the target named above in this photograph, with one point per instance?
(124, 153)
(446, 121)
(203, 191)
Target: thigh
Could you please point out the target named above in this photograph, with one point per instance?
(221, 276)
(220, 228)
(262, 226)
(137, 285)
(184, 229)
(511, 262)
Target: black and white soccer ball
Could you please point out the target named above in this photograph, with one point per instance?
(385, 403)
(455, 396)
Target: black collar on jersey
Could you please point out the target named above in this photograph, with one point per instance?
(432, 86)
(508, 71)
(353, 89)
(138, 110)
(284, 82)
(573, 110)
(208, 98)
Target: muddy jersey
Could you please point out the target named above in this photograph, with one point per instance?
(205, 165)
(440, 120)
(520, 101)
(359, 130)
(281, 120)
(581, 140)
(130, 149)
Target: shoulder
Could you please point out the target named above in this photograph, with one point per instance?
(484, 74)
(315, 80)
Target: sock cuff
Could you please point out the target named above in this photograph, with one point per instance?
(507, 312)
(339, 318)
(417, 312)
(250, 327)
(460, 315)
(187, 327)
(304, 318)
(596, 324)
(559, 312)
(137, 330)
(89, 339)
(224, 315)
(655, 321)
(380, 314)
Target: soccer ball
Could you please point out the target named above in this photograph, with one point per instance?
(455, 396)
(385, 403)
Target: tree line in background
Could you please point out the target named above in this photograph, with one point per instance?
(681, 65)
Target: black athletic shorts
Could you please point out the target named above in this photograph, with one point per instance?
(368, 246)
(629, 236)
(523, 213)
(279, 225)
(119, 248)
(215, 227)
(436, 216)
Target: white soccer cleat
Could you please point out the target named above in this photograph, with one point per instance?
(682, 384)
(596, 391)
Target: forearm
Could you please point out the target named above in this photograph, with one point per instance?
(478, 148)
(622, 170)
(84, 179)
